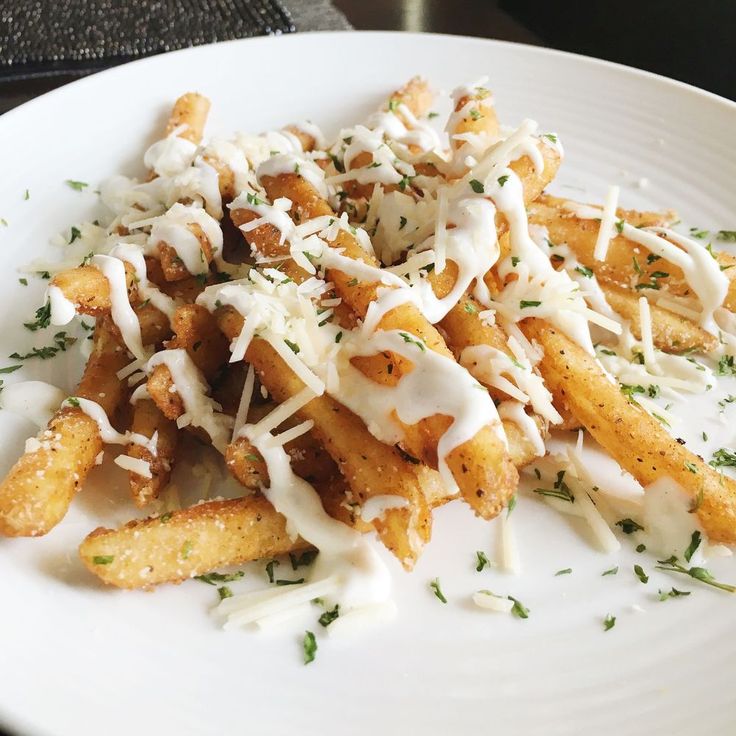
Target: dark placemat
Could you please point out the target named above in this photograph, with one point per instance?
(61, 37)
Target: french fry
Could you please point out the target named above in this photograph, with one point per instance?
(369, 467)
(415, 94)
(626, 263)
(172, 266)
(196, 330)
(670, 332)
(481, 466)
(177, 546)
(162, 390)
(190, 110)
(480, 118)
(636, 440)
(309, 460)
(147, 421)
(88, 289)
(36, 493)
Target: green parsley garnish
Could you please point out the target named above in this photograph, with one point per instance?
(609, 622)
(560, 489)
(550, 137)
(310, 647)
(103, 559)
(502, 179)
(611, 571)
(673, 593)
(435, 585)
(77, 185)
(639, 572)
(585, 271)
(476, 186)
(293, 346)
(475, 114)
(402, 222)
(697, 233)
(61, 342)
(693, 546)
(289, 582)
(566, 571)
(519, 609)
(692, 467)
(511, 506)
(431, 115)
(224, 592)
(23, 281)
(213, 578)
(482, 561)
(697, 573)
(620, 226)
(26, 195)
(726, 366)
(10, 369)
(728, 235)
(515, 261)
(269, 569)
(524, 303)
(641, 548)
(470, 308)
(186, 549)
(329, 616)
(723, 458)
(629, 526)
(409, 338)
(43, 318)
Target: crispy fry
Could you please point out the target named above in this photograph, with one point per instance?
(630, 435)
(370, 467)
(191, 110)
(162, 390)
(480, 117)
(148, 420)
(172, 266)
(415, 94)
(481, 466)
(671, 332)
(180, 545)
(37, 491)
(196, 330)
(88, 289)
(626, 263)
(309, 460)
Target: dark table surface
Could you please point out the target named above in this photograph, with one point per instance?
(689, 42)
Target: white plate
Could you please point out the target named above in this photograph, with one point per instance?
(76, 659)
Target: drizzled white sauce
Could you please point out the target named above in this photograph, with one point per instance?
(122, 313)
(514, 411)
(200, 409)
(63, 310)
(291, 163)
(377, 506)
(173, 229)
(134, 255)
(171, 155)
(108, 433)
(35, 400)
(345, 555)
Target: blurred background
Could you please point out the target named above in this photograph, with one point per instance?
(46, 43)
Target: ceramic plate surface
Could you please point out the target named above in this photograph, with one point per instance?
(77, 659)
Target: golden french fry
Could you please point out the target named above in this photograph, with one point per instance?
(479, 119)
(177, 546)
(162, 390)
(88, 289)
(190, 110)
(626, 263)
(481, 466)
(415, 94)
(670, 332)
(196, 330)
(172, 265)
(147, 420)
(36, 493)
(636, 440)
(369, 467)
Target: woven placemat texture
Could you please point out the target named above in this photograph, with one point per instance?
(47, 37)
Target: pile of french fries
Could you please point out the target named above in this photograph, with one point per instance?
(331, 445)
